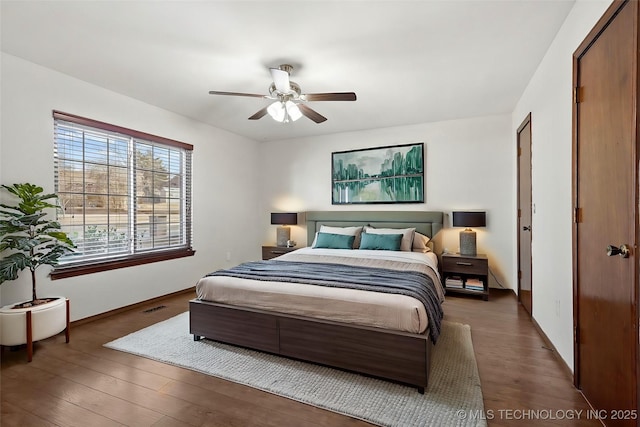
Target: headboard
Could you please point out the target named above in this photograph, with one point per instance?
(427, 223)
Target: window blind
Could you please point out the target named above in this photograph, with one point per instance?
(121, 192)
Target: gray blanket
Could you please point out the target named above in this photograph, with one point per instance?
(411, 283)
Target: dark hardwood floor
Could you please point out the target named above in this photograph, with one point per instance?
(84, 384)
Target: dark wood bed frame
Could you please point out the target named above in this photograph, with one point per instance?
(392, 355)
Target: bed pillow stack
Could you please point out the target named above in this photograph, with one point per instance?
(377, 239)
(329, 243)
(381, 242)
(333, 241)
(407, 235)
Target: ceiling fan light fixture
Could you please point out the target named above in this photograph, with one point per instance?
(293, 111)
(284, 112)
(277, 111)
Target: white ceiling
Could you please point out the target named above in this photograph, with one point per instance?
(408, 61)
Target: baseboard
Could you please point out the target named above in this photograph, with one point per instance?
(547, 342)
(132, 306)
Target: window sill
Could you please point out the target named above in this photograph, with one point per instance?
(63, 272)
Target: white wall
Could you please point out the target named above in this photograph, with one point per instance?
(225, 201)
(469, 165)
(549, 99)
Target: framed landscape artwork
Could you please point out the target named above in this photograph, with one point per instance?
(392, 174)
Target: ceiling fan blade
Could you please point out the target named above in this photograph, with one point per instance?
(335, 96)
(312, 114)
(260, 114)
(280, 79)
(253, 95)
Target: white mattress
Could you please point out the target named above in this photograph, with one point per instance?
(389, 311)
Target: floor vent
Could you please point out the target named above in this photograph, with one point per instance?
(151, 310)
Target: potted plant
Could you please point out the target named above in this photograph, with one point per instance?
(30, 240)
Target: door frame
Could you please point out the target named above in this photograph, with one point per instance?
(599, 27)
(525, 122)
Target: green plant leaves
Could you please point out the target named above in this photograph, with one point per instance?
(31, 201)
(62, 237)
(11, 265)
(31, 239)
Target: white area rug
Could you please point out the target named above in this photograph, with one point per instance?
(453, 397)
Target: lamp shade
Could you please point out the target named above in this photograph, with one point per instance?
(469, 219)
(284, 112)
(293, 110)
(277, 111)
(284, 218)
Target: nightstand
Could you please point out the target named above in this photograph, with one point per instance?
(466, 274)
(269, 252)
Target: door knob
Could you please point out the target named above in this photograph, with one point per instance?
(526, 228)
(624, 251)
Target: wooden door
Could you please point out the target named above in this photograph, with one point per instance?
(605, 192)
(525, 290)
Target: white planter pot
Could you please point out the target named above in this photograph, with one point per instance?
(26, 325)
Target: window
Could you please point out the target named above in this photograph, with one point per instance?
(125, 196)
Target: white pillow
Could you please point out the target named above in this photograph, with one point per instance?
(349, 231)
(407, 235)
(420, 242)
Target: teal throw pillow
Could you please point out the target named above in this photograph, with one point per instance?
(334, 241)
(384, 242)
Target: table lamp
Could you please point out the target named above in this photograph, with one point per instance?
(283, 219)
(468, 236)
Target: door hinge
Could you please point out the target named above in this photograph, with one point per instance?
(519, 274)
(519, 151)
(577, 94)
(519, 213)
(577, 215)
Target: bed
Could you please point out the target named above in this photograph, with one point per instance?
(389, 336)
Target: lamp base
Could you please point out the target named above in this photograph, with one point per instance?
(282, 235)
(468, 242)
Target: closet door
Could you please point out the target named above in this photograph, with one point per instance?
(525, 282)
(605, 197)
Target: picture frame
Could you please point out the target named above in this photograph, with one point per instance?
(389, 174)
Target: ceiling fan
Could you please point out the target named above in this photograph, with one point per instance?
(289, 102)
